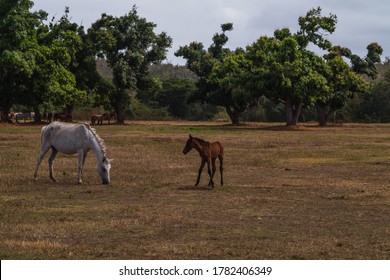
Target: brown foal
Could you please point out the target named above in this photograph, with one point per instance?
(209, 152)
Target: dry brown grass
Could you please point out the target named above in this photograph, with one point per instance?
(303, 193)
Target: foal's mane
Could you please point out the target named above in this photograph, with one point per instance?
(98, 139)
(202, 141)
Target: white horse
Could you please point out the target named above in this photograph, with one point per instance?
(69, 139)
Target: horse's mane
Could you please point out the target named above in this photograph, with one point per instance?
(201, 140)
(98, 139)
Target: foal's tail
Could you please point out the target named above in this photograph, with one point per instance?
(221, 148)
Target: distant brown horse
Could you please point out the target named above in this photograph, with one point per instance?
(62, 117)
(97, 119)
(209, 152)
(109, 117)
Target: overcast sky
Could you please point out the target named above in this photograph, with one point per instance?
(360, 22)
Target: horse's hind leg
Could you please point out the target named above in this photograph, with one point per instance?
(211, 183)
(200, 172)
(41, 155)
(53, 156)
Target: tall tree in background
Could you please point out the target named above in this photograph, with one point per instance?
(80, 62)
(376, 105)
(287, 74)
(129, 44)
(218, 70)
(18, 49)
(42, 64)
(67, 67)
(232, 79)
(345, 79)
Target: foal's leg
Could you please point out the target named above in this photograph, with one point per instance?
(41, 155)
(200, 171)
(52, 157)
(211, 182)
(221, 167)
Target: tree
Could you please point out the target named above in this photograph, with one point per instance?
(346, 80)
(286, 73)
(129, 44)
(314, 28)
(375, 105)
(215, 69)
(42, 64)
(76, 57)
(232, 77)
(18, 49)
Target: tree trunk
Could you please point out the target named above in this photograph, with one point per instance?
(293, 112)
(323, 116)
(234, 115)
(120, 116)
(4, 115)
(69, 110)
(37, 114)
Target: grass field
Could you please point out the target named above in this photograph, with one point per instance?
(302, 193)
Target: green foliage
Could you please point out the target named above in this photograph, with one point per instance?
(376, 102)
(287, 73)
(129, 44)
(18, 50)
(232, 76)
(42, 64)
(219, 72)
(314, 28)
(174, 96)
(53, 65)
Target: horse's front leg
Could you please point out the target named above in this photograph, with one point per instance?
(81, 156)
(53, 156)
(200, 171)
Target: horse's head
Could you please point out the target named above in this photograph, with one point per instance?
(104, 170)
(188, 147)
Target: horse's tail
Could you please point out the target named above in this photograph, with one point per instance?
(221, 148)
(46, 132)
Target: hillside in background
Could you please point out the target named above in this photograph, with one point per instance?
(162, 71)
(169, 71)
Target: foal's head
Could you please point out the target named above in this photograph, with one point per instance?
(104, 170)
(189, 145)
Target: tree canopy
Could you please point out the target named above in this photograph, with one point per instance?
(47, 65)
(129, 44)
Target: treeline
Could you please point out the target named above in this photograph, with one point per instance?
(116, 65)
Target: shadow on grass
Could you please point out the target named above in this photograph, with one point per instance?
(193, 188)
